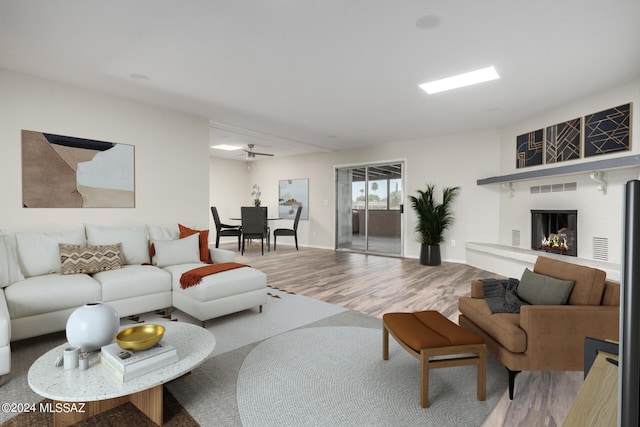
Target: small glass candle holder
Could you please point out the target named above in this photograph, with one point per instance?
(83, 362)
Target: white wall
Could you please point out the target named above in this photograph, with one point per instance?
(452, 160)
(171, 154)
(228, 184)
(599, 215)
(177, 182)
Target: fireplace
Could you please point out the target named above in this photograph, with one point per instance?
(555, 231)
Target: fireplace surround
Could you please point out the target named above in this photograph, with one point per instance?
(555, 231)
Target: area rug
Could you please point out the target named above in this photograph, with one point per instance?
(229, 389)
(335, 376)
(282, 312)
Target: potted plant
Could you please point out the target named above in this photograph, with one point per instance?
(433, 219)
(256, 195)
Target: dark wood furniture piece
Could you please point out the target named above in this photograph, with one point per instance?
(426, 334)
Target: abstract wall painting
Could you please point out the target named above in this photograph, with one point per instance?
(608, 131)
(67, 172)
(293, 193)
(529, 149)
(563, 141)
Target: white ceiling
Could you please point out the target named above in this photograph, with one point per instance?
(302, 76)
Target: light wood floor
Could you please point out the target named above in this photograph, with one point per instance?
(375, 285)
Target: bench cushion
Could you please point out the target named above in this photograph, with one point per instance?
(428, 329)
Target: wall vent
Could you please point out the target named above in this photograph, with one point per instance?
(515, 238)
(601, 248)
(554, 188)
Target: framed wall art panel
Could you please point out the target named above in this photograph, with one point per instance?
(608, 131)
(563, 141)
(293, 193)
(68, 172)
(529, 149)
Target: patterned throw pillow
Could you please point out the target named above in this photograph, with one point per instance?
(77, 259)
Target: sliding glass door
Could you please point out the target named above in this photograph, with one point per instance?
(369, 208)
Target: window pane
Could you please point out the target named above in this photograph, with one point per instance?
(395, 193)
(378, 194)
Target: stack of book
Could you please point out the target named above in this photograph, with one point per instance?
(127, 365)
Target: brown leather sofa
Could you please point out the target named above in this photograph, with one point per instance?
(547, 337)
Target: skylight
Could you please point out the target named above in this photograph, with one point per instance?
(461, 80)
(226, 147)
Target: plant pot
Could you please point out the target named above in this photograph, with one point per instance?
(430, 255)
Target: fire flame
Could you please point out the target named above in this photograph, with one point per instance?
(555, 243)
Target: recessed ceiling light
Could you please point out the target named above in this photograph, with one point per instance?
(461, 80)
(226, 147)
(428, 22)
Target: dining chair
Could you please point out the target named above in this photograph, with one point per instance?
(253, 225)
(267, 229)
(224, 229)
(288, 231)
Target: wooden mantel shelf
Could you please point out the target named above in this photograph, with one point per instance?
(598, 165)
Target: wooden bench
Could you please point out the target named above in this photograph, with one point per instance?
(426, 334)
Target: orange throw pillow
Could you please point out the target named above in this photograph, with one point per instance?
(204, 241)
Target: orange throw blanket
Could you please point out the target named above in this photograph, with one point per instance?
(193, 277)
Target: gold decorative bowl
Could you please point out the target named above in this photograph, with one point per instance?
(140, 337)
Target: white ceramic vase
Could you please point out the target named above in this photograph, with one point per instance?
(93, 325)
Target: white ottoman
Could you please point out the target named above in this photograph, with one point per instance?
(219, 294)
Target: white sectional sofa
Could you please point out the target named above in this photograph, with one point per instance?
(40, 282)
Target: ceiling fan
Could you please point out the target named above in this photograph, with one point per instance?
(251, 155)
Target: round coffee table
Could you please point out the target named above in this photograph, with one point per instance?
(78, 395)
